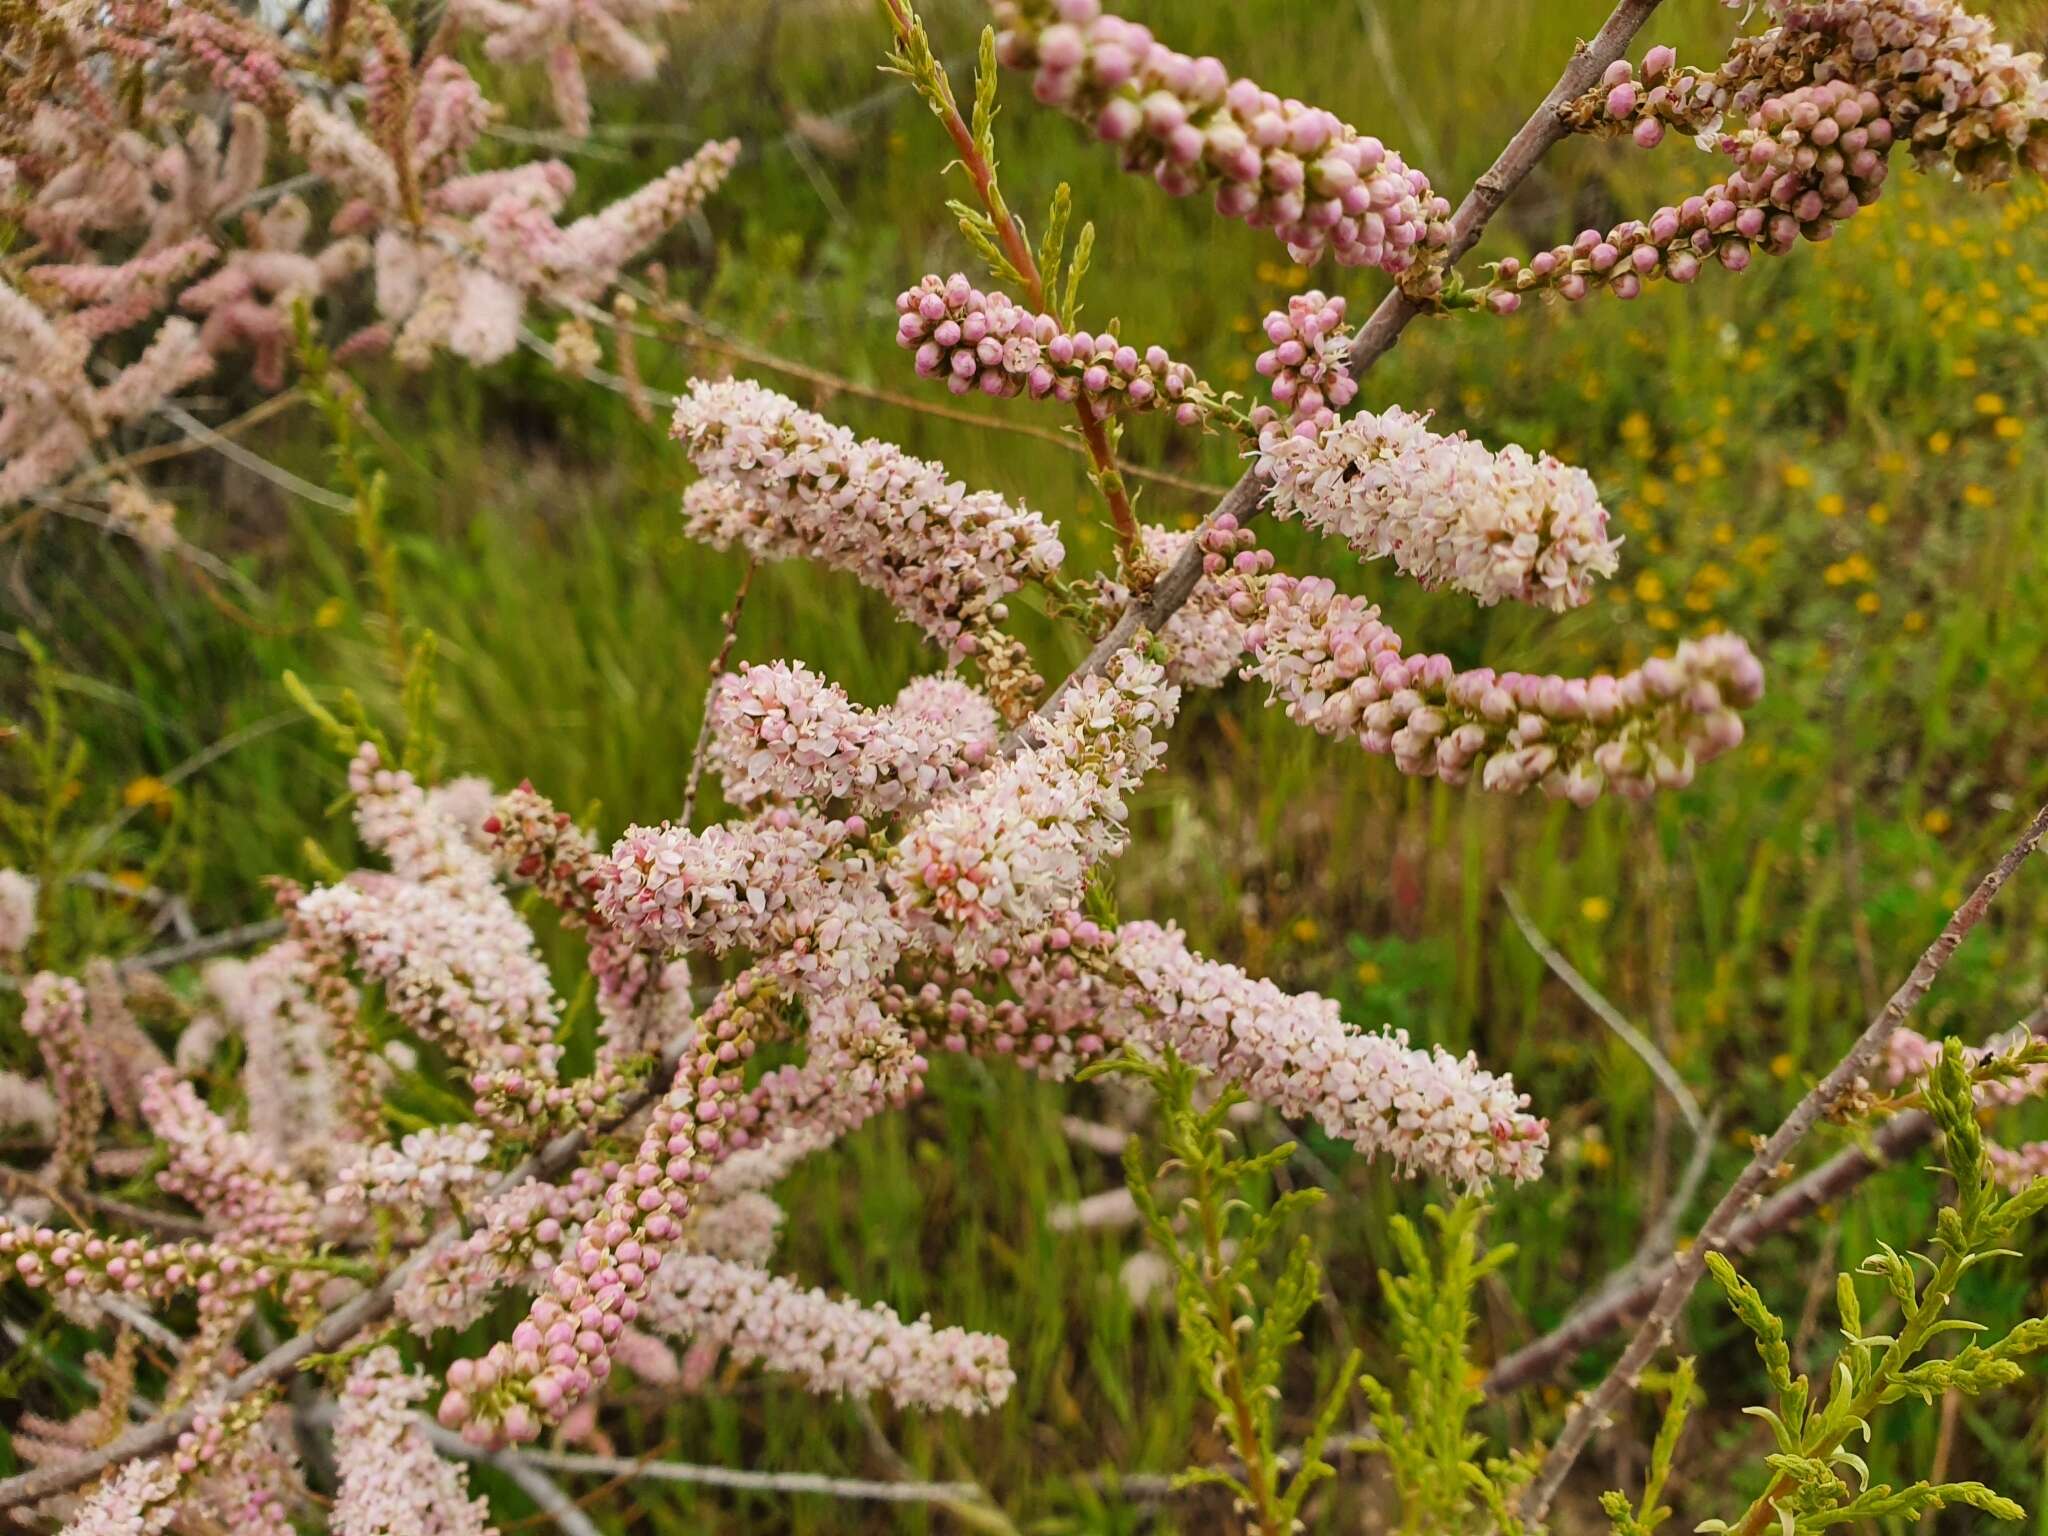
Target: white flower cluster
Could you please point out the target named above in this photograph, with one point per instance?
(17, 911)
(788, 882)
(785, 483)
(1429, 1111)
(290, 1075)
(422, 1173)
(458, 963)
(830, 1345)
(392, 1483)
(1003, 860)
(1448, 511)
(780, 731)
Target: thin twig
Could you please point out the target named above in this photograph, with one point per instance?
(1659, 1064)
(1897, 1138)
(977, 1511)
(546, 1494)
(630, 1469)
(198, 948)
(1017, 249)
(276, 474)
(164, 1223)
(711, 676)
(160, 452)
(1593, 1411)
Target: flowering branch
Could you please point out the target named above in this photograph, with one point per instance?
(1151, 610)
(337, 1328)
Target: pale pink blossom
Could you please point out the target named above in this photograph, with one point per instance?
(1428, 1111)
(564, 35)
(391, 1481)
(1448, 511)
(295, 1020)
(1341, 671)
(789, 883)
(458, 964)
(53, 1016)
(225, 1174)
(1001, 860)
(783, 482)
(423, 1172)
(834, 1347)
(779, 730)
(1204, 640)
(742, 1229)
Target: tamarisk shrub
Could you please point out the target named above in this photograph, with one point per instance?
(892, 881)
(179, 223)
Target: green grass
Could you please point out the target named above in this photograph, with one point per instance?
(1802, 455)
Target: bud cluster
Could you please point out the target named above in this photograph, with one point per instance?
(1308, 363)
(1275, 163)
(984, 341)
(1808, 113)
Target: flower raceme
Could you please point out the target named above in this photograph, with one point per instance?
(1002, 860)
(832, 1346)
(1448, 511)
(391, 1479)
(1342, 672)
(1275, 163)
(564, 35)
(784, 483)
(780, 731)
(1426, 1110)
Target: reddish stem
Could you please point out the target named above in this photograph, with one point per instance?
(1018, 250)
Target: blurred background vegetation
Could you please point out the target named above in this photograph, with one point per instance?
(1838, 455)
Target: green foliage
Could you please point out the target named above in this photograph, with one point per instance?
(1241, 1298)
(1647, 1514)
(1439, 1475)
(1817, 1481)
(52, 759)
